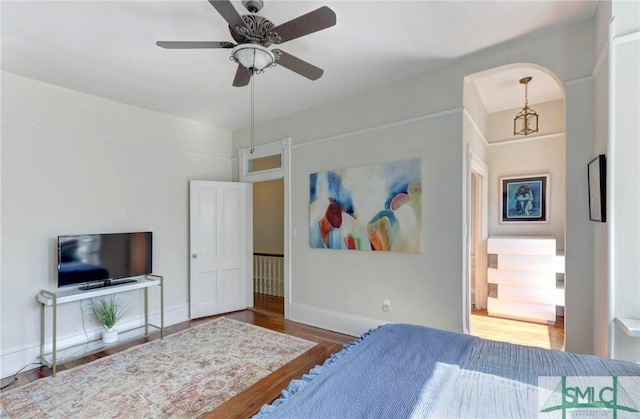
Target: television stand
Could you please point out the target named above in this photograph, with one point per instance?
(106, 283)
(54, 299)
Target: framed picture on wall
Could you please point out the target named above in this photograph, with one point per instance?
(525, 199)
(597, 178)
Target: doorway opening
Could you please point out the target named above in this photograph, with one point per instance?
(268, 246)
(508, 302)
(267, 169)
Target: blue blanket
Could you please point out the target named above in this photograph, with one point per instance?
(408, 371)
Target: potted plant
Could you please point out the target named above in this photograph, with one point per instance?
(108, 311)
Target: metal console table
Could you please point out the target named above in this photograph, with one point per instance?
(53, 299)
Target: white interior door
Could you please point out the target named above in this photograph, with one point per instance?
(221, 247)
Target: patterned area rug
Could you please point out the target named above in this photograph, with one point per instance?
(184, 375)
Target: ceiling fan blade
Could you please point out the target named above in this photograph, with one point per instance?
(243, 76)
(194, 44)
(317, 20)
(297, 65)
(229, 13)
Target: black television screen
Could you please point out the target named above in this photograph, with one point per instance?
(96, 260)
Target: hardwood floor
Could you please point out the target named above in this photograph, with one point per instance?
(249, 402)
(518, 332)
(268, 312)
(268, 304)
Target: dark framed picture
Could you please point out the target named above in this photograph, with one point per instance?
(597, 178)
(525, 199)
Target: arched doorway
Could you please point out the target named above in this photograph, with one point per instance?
(509, 301)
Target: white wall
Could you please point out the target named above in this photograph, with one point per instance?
(579, 294)
(624, 153)
(358, 282)
(476, 121)
(601, 305)
(422, 117)
(543, 153)
(542, 156)
(75, 163)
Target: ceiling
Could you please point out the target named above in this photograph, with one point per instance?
(502, 90)
(107, 48)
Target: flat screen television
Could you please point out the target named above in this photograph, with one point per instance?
(99, 260)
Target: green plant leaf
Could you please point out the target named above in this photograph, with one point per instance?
(108, 311)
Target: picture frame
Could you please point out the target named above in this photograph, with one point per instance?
(524, 199)
(597, 181)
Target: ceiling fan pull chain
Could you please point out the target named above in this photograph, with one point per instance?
(252, 110)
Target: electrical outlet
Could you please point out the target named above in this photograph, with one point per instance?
(386, 305)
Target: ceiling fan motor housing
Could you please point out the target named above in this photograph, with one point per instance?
(259, 29)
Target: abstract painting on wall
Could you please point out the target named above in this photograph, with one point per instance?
(373, 207)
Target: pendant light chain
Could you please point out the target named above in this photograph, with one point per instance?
(253, 105)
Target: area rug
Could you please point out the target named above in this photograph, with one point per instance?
(184, 375)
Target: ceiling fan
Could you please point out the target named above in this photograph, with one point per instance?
(254, 34)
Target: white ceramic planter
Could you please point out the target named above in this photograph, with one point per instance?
(109, 336)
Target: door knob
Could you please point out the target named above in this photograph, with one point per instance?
(195, 255)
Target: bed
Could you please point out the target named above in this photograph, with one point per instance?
(408, 371)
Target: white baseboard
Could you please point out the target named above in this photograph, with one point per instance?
(13, 359)
(336, 321)
(173, 316)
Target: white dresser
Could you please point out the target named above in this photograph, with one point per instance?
(527, 281)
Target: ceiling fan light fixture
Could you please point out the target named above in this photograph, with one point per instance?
(253, 57)
(526, 121)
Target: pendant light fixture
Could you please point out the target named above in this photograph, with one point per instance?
(526, 121)
(253, 56)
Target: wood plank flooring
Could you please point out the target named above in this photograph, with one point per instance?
(249, 402)
(518, 332)
(268, 313)
(264, 303)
